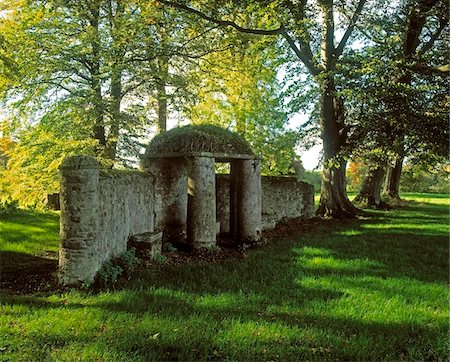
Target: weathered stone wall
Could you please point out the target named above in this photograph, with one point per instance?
(285, 198)
(282, 198)
(99, 212)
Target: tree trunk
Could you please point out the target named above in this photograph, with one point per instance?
(115, 21)
(370, 193)
(415, 23)
(393, 184)
(161, 82)
(162, 100)
(98, 127)
(333, 197)
(116, 99)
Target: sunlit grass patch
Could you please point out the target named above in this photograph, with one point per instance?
(337, 265)
(436, 199)
(29, 232)
(402, 228)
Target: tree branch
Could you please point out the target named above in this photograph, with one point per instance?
(428, 45)
(340, 48)
(304, 53)
(204, 16)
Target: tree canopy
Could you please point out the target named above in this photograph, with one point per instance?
(99, 77)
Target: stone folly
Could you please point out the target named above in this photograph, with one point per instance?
(176, 197)
(186, 206)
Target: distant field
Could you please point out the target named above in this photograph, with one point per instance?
(371, 289)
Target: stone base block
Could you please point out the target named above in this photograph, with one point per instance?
(149, 242)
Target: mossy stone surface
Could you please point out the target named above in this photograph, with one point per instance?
(199, 138)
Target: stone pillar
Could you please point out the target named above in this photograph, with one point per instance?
(234, 186)
(80, 202)
(248, 175)
(202, 202)
(170, 176)
(223, 202)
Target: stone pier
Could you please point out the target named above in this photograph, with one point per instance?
(248, 199)
(202, 202)
(101, 210)
(78, 259)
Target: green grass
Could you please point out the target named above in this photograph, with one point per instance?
(29, 232)
(372, 289)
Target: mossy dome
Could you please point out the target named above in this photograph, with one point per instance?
(199, 138)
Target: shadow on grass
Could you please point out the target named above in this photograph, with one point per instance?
(315, 336)
(26, 273)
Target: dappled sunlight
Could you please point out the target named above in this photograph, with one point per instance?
(380, 300)
(349, 290)
(310, 251)
(322, 259)
(349, 232)
(424, 228)
(436, 199)
(335, 264)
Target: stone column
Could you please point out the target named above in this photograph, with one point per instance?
(248, 200)
(223, 202)
(80, 203)
(234, 186)
(202, 202)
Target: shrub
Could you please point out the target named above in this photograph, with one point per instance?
(9, 207)
(112, 270)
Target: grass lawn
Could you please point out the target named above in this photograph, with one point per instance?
(372, 289)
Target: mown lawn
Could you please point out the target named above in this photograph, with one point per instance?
(372, 289)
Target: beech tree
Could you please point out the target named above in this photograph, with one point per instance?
(402, 95)
(312, 39)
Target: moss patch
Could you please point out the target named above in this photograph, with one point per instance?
(199, 138)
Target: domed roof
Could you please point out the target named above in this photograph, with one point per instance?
(199, 138)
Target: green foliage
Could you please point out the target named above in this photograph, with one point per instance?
(109, 273)
(396, 100)
(243, 93)
(433, 180)
(314, 178)
(361, 290)
(31, 169)
(160, 258)
(199, 138)
(113, 269)
(9, 207)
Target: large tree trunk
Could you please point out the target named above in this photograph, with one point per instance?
(393, 182)
(416, 21)
(370, 194)
(162, 94)
(334, 201)
(99, 126)
(116, 99)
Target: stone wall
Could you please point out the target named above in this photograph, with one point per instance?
(99, 212)
(283, 198)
